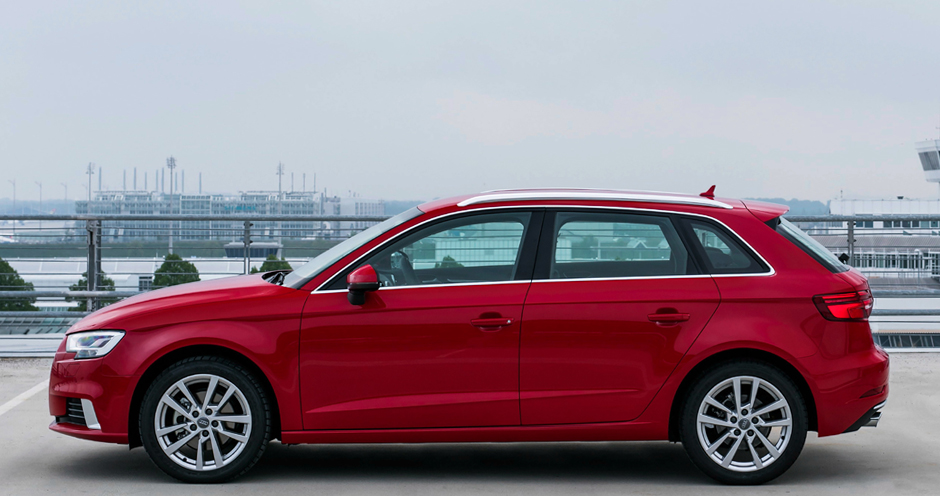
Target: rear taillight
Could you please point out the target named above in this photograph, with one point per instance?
(845, 306)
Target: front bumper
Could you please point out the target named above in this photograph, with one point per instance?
(103, 395)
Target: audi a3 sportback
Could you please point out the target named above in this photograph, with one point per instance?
(508, 316)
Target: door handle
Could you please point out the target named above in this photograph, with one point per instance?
(492, 324)
(668, 318)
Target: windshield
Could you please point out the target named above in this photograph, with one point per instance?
(812, 247)
(305, 272)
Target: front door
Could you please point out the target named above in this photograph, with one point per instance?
(437, 345)
(616, 303)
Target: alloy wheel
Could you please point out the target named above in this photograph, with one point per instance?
(202, 422)
(744, 424)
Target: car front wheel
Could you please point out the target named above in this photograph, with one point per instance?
(744, 423)
(205, 419)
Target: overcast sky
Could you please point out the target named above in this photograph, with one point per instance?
(415, 100)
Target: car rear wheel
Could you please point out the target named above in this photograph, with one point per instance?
(744, 423)
(205, 419)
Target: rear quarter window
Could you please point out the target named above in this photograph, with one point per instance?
(722, 251)
(810, 246)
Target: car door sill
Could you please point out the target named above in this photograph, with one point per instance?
(606, 431)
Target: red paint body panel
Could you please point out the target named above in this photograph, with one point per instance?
(591, 354)
(410, 357)
(765, 211)
(258, 320)
(83, 432)
(580, 360)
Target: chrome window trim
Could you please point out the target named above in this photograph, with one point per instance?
(426, 286)
(770, 272)
(648, 197)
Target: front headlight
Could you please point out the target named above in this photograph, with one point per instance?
(92, 344)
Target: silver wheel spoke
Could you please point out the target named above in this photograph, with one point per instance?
(183, 389)
(711, 449)
(755, 385)
(737, 393)
(173, 448)
(705, 419)
(777, 423)
(767, 444)
(237, 419)
(200, 463)
(170, 402)
(226, 395)
(730, 456)
(713, 402)
(216, 452)
(771, 407)
(166, 430)
(757, 461)
(234, 435)
(209, 392)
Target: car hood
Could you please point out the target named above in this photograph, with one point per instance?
(196, 301)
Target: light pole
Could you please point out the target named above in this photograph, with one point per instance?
(280, 174)
(13, 182)
(90, 171)
(171, 164)
(66, 186)
(39, 183)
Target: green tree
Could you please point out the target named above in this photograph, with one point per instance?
(173, 271)
(272, 263)
(448, 262)
(107, 284)
(10, 280)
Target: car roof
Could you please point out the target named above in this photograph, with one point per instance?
(507, 196)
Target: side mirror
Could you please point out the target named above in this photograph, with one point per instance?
(361, 281)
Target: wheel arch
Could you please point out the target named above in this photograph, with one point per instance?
(739, 354)
(173, 356)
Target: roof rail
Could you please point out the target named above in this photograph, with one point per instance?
(626, 196)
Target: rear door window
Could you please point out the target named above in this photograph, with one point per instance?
(611, 245)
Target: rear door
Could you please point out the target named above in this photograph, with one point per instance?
(616, 302)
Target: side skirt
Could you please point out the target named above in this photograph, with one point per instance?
(612, 431)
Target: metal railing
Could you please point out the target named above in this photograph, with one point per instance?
(890, 249)
(52, 252)
(94, 243)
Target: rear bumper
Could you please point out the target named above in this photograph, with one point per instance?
(869, 419)
(851, 397)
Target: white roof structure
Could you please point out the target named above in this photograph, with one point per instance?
(929, 153)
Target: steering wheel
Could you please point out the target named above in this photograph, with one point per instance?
(407, 270)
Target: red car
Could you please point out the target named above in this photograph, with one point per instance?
(508, 316)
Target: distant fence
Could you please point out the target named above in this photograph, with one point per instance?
(58, 249)
(907, 251)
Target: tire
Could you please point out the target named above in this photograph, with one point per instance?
(763, 452)
(215, 441)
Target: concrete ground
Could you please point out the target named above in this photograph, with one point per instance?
(901, 456)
